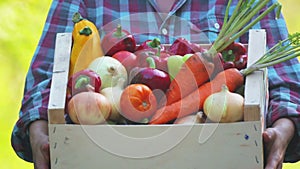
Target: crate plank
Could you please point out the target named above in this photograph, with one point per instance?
(255, 84)
(59, 78)
(234, 145)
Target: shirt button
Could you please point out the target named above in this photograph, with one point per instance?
(164, 31)
(217, 26)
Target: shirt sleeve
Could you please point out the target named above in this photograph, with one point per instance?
(38, 79)
(284, 86)
(284, 101)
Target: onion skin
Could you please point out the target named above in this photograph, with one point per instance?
(89, 108)
(224, 106)
(110, 70)
(113, 94)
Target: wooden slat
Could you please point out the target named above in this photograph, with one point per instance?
(59, 78)
(255, 85)
(232, 145)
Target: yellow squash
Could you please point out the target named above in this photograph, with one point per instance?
(86, 44)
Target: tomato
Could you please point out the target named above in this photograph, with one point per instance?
(137, 102)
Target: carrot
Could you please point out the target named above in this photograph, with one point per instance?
(193, 73)
(245, 15)
(284, 50)
(195, 100)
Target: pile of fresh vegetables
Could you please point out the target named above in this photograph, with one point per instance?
(151, 83)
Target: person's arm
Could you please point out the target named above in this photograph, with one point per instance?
(283, 117)
(284, 103)
(284, 98)
(38, 80)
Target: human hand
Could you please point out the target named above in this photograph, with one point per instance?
(38, 131)
(276, 140)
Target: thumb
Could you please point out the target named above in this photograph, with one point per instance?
(268, 135)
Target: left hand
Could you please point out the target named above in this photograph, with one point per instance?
(40, 144)
(276, 140)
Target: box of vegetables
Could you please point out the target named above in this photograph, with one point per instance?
(117, 104)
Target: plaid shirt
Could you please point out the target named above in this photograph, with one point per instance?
(202, 22)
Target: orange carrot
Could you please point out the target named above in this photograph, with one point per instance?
(194, 101)
(193, 73)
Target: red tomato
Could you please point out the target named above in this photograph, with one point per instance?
(137, 102)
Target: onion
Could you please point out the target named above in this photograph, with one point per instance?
(89, 108)
(113, 94)
(109, 69)
(224, 106)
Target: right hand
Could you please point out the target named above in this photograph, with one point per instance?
(276, 139)
(39, 141)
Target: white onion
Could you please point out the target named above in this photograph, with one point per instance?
(113, 94)
(109, 69)
(224, 106)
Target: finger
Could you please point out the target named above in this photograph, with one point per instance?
(271, 164)
(269, 138)
(41, 163)
(279, 166)
(274, 159)
(43, 157)
(41, 166)
(46, 151)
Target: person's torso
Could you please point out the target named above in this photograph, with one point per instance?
(195, 20)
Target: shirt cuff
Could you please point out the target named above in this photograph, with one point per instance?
(293, 150)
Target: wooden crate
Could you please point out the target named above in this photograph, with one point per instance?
(210, 145)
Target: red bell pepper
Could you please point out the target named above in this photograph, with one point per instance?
(84, 80)
(234, 52)
(182, 46)
(234, 56)
(118, 40)
(150, 76)
(241, 63)
(152, 45)
(160, 58)
(161, 61)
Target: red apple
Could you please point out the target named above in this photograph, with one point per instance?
(128, 59)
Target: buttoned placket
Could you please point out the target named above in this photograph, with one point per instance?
(164, 28)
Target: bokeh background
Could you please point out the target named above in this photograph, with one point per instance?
(20, 28)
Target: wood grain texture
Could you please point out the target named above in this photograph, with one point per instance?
(58, 91)
(226, 146)
(256, 83)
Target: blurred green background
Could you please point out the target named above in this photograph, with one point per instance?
(21, 26)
